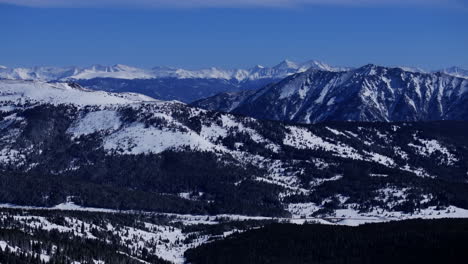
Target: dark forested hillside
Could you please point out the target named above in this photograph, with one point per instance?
(413, 241)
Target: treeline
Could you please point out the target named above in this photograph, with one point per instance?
(411, 241)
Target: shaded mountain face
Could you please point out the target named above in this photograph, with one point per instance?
(184, 90)
(369, 93)
(61, 142)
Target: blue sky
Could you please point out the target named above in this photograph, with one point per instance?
(202, 33)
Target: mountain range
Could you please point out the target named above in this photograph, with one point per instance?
(120, 71)
(369, 93)
(64, 143)
(168, 83)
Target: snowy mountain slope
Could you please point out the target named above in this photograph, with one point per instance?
(62, 73)
(369, 93)
(164, 242)
(117, 71)
(19, 92)
(38, 73)
(120, 152)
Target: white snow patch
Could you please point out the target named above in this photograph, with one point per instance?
(99, 121)
(319, 181)
(12, 156)
(378, 175)
(336, 132)
(137, 139)
(418, 171)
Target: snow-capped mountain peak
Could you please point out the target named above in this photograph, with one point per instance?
(313, 64)
(286, 64)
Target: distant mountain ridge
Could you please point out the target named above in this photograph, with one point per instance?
(120, 71)
(369, 93)
(168, 83)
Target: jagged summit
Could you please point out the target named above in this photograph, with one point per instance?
(286, 64)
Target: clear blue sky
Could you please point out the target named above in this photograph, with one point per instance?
(192, 36)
